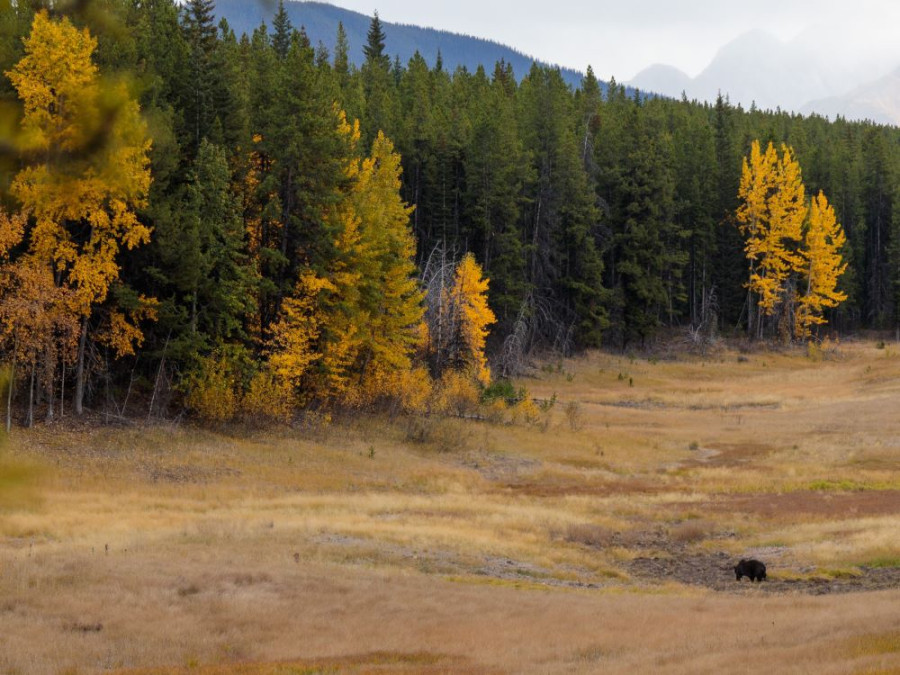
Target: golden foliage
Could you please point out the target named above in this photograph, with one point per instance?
(94, 169)
(773, 209)
(212, 390)
(469, 296)
(349, 332)
(267, 398)
(12, 229)
(456, 394)
(408, 391)
(294, 335)
(36, 321)
(120, 331)
(822, 266)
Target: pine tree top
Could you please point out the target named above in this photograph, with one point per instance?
(281, 40)
(374, 49)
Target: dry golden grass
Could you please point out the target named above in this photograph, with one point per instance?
(375, 545)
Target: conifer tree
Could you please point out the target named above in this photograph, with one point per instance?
(281, 24)
(203, 259)
(649, 242)
(496, 169)
(375, 43)
(378, 85)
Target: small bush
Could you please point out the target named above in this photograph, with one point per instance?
(588, 534)
(456, 393)
(267, 398)
(525, 411)
(574, 416)
(407, 391)
(211, 390)
(690, 531)
(502, 390)
(814, 352)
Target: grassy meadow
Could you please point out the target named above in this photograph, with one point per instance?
(597, 538)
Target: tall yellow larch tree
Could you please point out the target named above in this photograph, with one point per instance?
(822, 266)
(89, 169)
(390, 297)
(467, 303)
(771, 216)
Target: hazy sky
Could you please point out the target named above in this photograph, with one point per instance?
(621, 37)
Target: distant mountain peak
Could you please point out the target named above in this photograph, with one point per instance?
(662, 79)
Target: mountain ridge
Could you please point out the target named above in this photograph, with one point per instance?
(320, 21)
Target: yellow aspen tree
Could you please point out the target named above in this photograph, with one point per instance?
(771, 216)
(37, 326)
(822, 266)
(90, 168)
(469, 295)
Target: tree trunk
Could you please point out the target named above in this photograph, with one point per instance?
(50, 375)
(79, 370)
(9, 393)
(30, 421)
(51, 395)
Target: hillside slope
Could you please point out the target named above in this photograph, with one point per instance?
(320, 21)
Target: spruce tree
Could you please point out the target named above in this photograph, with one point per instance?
(281, 39)
(375, 44)
(378, 86)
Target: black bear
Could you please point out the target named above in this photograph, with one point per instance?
(753, 569)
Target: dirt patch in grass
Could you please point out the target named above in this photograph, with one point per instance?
(820, 504)
(727, 455)
(551, 489)
(377, 662)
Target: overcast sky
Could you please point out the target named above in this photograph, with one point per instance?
(621, 37)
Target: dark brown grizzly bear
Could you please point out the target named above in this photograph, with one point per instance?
(753, 569)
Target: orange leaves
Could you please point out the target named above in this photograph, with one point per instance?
(36, 318)
(121, 332)
(12, 229)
